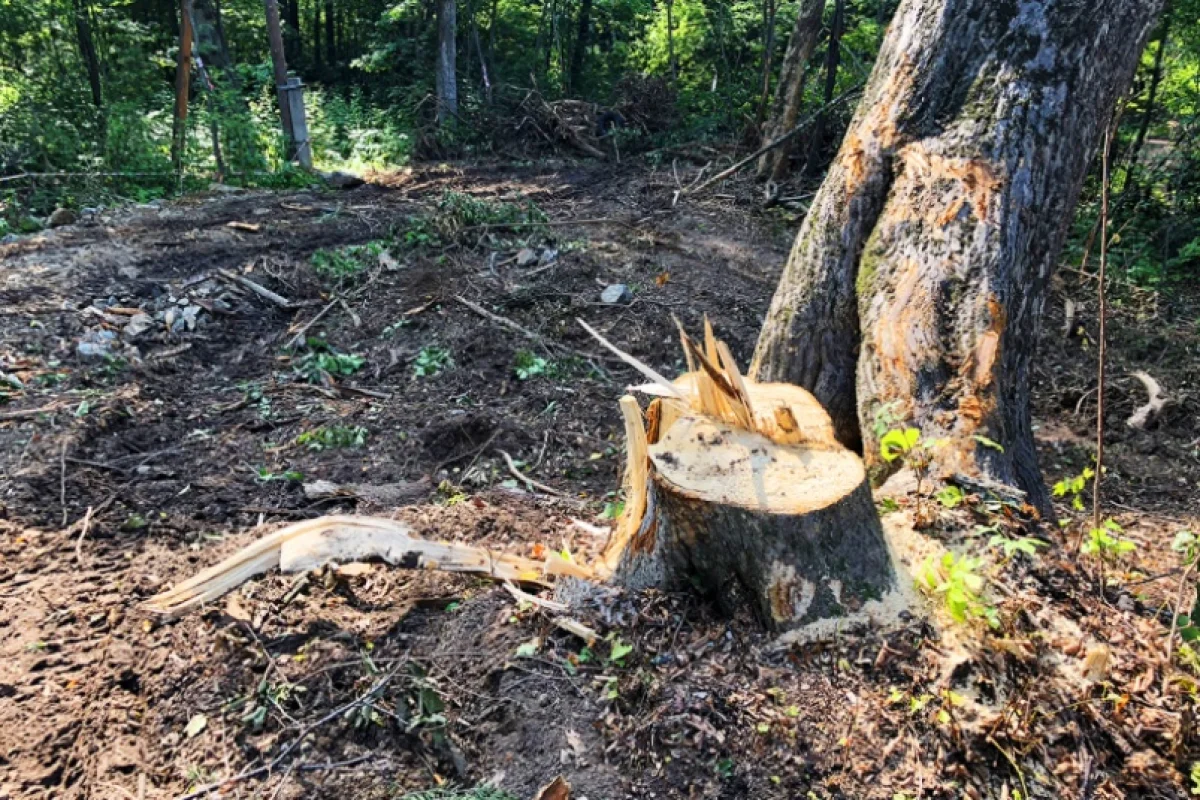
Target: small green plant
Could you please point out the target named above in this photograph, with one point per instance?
(613, 509)
(333, 436)
(1105, 542)
(321, 365)
(950, 497)
(960, 586)
(1187, 544)
(265, 475)
(1010, 547)
(529, 365)
(1072, 487)
(618, 650)
(347, 263)
(431, 360)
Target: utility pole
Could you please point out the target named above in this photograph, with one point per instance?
(279, 60)
(183, 74)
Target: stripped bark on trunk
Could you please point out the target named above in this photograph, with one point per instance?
(916, 284)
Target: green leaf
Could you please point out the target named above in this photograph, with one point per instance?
(986, 442)
(896, 443)
(529, 649)
(619, 651)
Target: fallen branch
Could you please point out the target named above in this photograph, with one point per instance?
(303, 330)
(257, 288)
(530, 482)
(312, 544)
(1140, 418)
(516, 328)
(801, 125)
(27, 413)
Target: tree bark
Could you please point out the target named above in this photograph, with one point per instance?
(833, 59)
(330, 34)
(579, 52)
(293, 41)
(316, 34)
(762, 510)
(1156, 75)
(916, 284)
(87, 50)
(183, 74)
(279, 62)
(769, 10)
(789, 94)
(209, 34)
(671, 40)
(446, 74)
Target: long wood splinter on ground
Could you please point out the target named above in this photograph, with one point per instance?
(737, 488)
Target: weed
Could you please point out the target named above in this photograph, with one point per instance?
(321, 365)
(950, 497)
(431, 360)
(613, 509)
(1106, 543)
(1010, 547)
(328, 437)
(1187, 544)
(529, 365)
(1073, 487)
(957, 582)
(347, 263)
(265, 475)
(618, 650)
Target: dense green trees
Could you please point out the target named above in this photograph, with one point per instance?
(86, 86)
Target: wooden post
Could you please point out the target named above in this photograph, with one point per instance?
(295, 101)
(279, 61)
(183, 73)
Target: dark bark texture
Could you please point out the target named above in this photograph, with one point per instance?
(788, 569)
(446, 73)
(789, 94)
(917, 281)
(87, 49)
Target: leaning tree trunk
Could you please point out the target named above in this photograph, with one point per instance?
(446, 71)
(916, 283)
(789, 95)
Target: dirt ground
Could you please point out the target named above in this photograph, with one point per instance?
(130, 463)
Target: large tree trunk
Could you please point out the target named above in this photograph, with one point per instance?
(789, 94)
(916, 283)
(183, 78)
(446, 73)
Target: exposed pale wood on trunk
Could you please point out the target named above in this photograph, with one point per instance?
(917, 280)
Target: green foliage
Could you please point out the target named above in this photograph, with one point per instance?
(957, 582)
(1106, 543)
(530, 365)
(1072, 487)
(323, 363)
(347, 263)
(898, 443)
(950, 497)
(329, 437)
(431, 360)
(1011, 547)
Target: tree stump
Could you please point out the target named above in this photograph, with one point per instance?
(767, 512)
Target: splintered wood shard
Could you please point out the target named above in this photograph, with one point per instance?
(339, 539)
(637, 470)
(645, 369)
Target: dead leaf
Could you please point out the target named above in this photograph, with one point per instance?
(557, 789)
(235, 609)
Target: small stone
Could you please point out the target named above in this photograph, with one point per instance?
(61, 217)
(1126, 603)
(137, 325)
(526, 257)
(96, 345)
(261, 212)
(618, 293)
(129, 272)
(549, 256)
(8, 238)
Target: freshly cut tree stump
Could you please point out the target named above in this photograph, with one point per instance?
(742, 491)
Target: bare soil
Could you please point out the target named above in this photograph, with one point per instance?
(120, 476)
